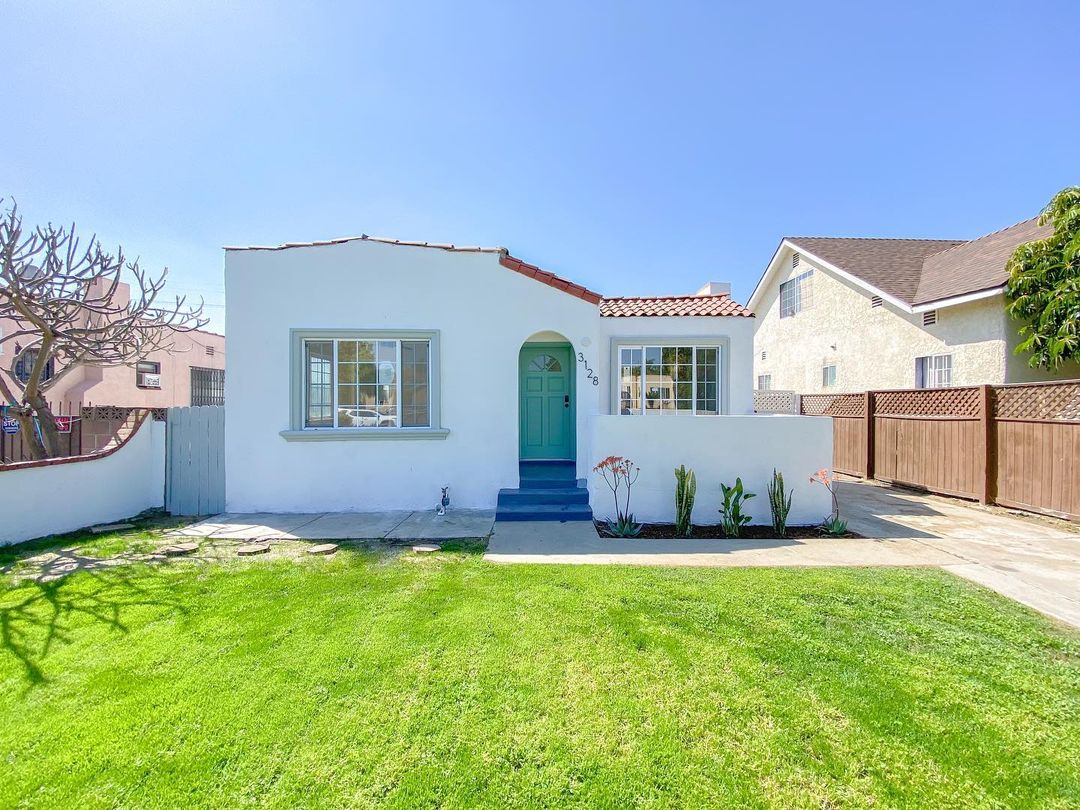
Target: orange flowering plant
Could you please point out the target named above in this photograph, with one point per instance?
(832, 524)
(619, 472)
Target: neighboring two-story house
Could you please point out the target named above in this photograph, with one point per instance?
(844, 315)
(190, 372)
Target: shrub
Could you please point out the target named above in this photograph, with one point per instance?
(685, 490)
(732, 518)
(778, 505)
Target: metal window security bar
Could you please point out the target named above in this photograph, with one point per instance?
(207, 386)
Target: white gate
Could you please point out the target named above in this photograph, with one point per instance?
(195, 461)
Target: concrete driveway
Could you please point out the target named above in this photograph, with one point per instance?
(1034, 562)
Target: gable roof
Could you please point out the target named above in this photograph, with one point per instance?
(976, 265)
(891, 265)
(505, 259)
(673, 305)
(696, 305)
(916, 274)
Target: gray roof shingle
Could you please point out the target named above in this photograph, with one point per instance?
(921, 271)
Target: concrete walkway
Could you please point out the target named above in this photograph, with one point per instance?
(404, 525)
(1032, 562)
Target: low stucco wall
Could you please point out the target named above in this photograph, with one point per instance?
(718, 449)
(40, 500)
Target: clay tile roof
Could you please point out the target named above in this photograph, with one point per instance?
(976, 265)
(675, 305)
(505, 259)
(552, 280)
(891, 265)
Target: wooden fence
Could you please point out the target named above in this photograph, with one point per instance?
(1015, 445)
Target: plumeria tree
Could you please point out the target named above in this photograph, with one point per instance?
(68, 309)
(1043, 289)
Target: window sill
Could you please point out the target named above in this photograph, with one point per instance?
(364, 434)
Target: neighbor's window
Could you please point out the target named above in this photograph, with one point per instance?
(669, 380)
(796, 294)
(24, 366)
(764, 382)
(828, 376)
(367, 383)
(933, 371)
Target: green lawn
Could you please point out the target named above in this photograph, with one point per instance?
(365, 679)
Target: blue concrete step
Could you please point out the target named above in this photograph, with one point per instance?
(548, 490)
(538, 495)
(547, 474)
(545, 511)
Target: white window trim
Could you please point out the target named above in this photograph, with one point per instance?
(931, 357)
(296, 430)
(824, 369)
(723, 344)
(799, 304)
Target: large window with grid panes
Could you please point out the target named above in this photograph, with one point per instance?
(669, 380)
(367, 383)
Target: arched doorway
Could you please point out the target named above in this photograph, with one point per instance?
(546, 406)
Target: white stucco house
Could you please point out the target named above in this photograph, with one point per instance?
(369, 373)
(855, 314)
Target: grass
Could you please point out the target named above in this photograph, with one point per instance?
(367, 679)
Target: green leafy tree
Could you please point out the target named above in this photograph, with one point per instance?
(1043, 289)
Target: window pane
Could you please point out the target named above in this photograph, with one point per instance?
(318, 392)
(415, 402)
(630, 385)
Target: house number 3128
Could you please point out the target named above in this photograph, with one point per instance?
(588, 371)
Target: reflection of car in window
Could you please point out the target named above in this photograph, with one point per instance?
(362, 417)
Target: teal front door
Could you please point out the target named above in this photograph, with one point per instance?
(546, 401)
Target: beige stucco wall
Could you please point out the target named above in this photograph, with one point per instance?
(872, 347)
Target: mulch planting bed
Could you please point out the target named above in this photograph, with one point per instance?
(666, 531)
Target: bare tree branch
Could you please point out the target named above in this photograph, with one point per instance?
(73, 305)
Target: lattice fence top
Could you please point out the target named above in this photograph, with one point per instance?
(961, 402)
(1051, 401)
(833, 405)
(114, 413)
(776, 402)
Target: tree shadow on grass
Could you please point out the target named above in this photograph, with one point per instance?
(38, 615)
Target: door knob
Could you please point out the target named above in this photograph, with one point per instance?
(566, 400)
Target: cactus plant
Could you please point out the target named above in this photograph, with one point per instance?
(778, 505)
(685, 490)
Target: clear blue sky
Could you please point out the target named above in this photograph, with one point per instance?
(635, 148)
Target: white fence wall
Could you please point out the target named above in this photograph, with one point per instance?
(718, 449)
(770, 401)
(195, 480)
(40, 500)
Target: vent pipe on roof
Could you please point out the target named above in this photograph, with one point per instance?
(715, 288)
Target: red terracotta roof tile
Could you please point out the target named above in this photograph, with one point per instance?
(673, 305)
(552, 280)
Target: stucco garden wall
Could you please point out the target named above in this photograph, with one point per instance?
(872, 347)
(718, 449)
(40, 499)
